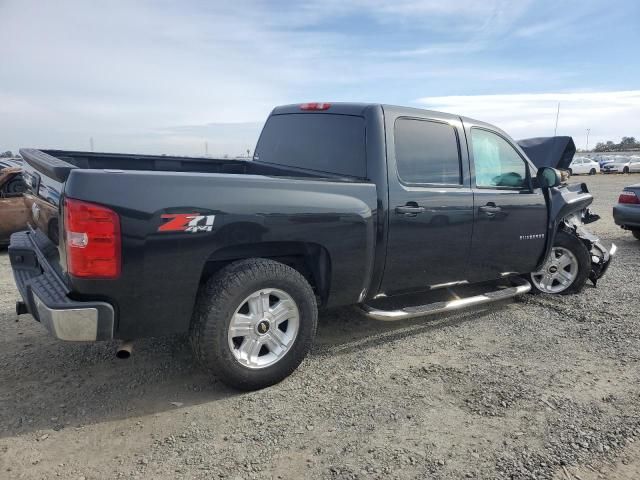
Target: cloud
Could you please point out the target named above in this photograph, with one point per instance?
(609, 115)
(127, 73)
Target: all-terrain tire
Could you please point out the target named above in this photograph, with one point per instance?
(220, 297)
(636, 233)
(572, 243)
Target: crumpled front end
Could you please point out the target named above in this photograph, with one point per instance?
(600, 256)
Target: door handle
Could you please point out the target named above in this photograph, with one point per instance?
(490, 209)
(410, 208)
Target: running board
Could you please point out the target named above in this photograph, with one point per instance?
(521, 286)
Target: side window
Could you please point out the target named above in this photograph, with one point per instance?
(427, 152)
(497, 164)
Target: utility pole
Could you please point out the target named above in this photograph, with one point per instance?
(587, 147)
(91, 143)
(555, 130)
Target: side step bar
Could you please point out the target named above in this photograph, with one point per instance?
(520, 286)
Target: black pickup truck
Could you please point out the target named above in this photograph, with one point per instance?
(342, 204)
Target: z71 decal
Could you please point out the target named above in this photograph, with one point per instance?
(187, 222)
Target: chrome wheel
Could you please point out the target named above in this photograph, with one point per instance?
(263, 328)
(558, 273)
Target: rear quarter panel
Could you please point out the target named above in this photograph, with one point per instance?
(161, 271)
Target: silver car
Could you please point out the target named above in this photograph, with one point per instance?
(622, 164)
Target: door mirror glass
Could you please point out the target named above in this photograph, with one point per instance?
(548, 177)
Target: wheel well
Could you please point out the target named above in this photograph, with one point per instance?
(310, 259)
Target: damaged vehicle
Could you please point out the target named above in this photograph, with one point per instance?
(13, 212)
(342, 204)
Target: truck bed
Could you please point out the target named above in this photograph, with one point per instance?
(57, 164)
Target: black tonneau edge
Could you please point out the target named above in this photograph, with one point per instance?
(51, 166)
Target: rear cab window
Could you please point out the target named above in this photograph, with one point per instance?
(323, 142)
(427, 152)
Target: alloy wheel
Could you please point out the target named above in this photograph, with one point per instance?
(263, 328)
(558, 273)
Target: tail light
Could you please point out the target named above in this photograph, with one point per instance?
(93, 240)
(628, 196)
(315, 106)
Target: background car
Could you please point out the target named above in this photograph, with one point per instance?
(603, 160)
(622, 164)
(11, 171)
(13, 212)
(627, 212)
(582, 165)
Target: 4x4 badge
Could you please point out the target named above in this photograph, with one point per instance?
(187, 222)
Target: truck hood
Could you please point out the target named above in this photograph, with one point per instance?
(556, 152)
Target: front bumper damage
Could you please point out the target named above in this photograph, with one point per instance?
(600, 256)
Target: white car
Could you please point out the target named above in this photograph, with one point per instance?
(584, 165)
(623, 164)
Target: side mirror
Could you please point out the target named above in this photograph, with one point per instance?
(548, 177)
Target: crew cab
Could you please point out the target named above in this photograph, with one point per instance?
(341, 204)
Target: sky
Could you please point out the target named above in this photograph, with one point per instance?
(171, 76)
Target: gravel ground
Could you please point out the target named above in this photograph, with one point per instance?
(540, 387)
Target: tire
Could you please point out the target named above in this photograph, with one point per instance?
(592, 171)
(225, 299)
(625, 170)
(15, 186)
(566, 247)
(636, 233)
(570, 171)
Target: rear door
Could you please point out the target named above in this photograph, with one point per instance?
(510, 217)
(430, 201)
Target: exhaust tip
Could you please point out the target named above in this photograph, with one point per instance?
(124, 350)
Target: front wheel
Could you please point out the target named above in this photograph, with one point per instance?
(592, 171)
(567, 268)
(636, 233)
(626, 170)
(254, 323)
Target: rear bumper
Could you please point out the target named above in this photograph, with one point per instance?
(627, 216)
(46, 296)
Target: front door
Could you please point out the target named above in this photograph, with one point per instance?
(430, 203)
(510, 217)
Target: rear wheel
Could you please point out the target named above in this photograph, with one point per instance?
(254, 323)
(636, 233)
(567, 268)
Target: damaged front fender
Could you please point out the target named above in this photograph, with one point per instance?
(600, 256)
(568, 210)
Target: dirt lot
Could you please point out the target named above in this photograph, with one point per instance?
(541, 387)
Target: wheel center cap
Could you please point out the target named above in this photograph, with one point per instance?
(263, 327)
(553, 269)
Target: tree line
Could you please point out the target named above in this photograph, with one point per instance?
(627, 143)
